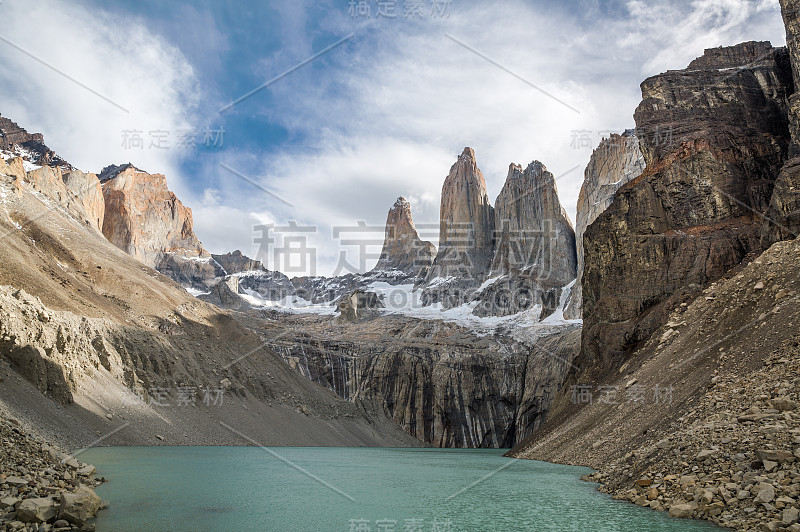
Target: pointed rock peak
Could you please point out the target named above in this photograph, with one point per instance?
(402, 248)
(536, 168)
(401, 203)
(468, 153)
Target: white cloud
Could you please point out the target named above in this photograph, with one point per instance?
(119, 59)
(383, 115)
(391, 116)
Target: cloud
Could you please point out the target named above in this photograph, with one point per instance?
(388, 114)
(151, 84)
(385, 114)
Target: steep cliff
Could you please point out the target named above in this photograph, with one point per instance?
(441, 382)
(613, 163)
(466, 235)
(714, 137)
(89, 191)
(403, 251)
(147, 221)
(783, 216)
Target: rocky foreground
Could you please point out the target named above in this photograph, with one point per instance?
(42, 488)
(737, 464)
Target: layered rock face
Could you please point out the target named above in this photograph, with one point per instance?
(443, 384)
(714, 137)
(466, 234)
(403, 250)
(613, 163)
(146, 220)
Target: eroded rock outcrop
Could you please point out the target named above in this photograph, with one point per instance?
(714, 137)
(466, 235)
(146, 220)
(236, 262)
(358, 305)
(87, 189)
(613, 163)
(403, 251)
(75, 191)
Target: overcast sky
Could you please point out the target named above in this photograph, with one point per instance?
(384, 111)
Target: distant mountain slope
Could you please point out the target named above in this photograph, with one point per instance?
(84, 326)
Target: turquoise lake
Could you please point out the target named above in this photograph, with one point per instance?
(360, 489)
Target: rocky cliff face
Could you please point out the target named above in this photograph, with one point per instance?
(86, 187)
(613, 163)
(236, 262)
(403, 251)
(714, 137)
(535, 238)
(30, 146)
(87, 333)
(466, 234)
(534, 255)
(783, 217)
(147, 221)
(443, 384)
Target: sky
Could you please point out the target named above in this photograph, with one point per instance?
(314, 116)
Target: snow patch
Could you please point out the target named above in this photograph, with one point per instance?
(292, 304)
(195, 292)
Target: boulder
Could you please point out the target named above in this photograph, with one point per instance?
(80, 506)
(682, 511)
(38, 510)
(358, 304)
(765, 493)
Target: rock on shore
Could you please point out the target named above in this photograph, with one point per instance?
(41, 487)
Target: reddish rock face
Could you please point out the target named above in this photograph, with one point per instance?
(403, 250)
(146, 220)
(714, 137)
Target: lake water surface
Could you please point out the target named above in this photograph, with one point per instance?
(361, 489)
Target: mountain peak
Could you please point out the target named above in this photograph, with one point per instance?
(402, 248)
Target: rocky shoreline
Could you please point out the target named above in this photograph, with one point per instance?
(42, 488)
(737, 464)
